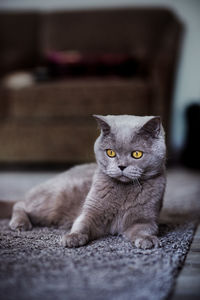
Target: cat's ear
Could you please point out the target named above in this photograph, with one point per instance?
(152, 127)
(103, 125)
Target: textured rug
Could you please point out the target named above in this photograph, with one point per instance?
(34, 266)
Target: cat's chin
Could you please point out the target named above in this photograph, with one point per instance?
(124, 179)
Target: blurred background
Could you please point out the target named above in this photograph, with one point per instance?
(62, 61)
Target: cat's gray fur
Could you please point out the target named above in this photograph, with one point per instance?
(98, 199)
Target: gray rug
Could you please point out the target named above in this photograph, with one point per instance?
(34, 266)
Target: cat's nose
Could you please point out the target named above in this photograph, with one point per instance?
(122, 167)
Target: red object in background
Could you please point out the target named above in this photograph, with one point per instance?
(74, 63)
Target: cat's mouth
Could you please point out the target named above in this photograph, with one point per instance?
(125, 178)
(128, 175)
(120, 177)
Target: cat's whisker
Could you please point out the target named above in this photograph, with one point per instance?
(138, 183)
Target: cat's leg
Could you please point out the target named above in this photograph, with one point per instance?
(143, 235)
(94, 220)
(84, 229)
(20, 219)
(79, 234)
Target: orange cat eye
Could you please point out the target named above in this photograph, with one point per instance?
(110, 153)
(137, 154)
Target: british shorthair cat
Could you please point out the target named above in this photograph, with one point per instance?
(121, 193)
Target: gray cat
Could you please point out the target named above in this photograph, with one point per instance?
(121, 194)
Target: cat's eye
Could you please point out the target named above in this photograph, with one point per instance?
(110, 153)
(137, 154)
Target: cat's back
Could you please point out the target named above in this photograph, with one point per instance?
(75, 176)
(61, 195)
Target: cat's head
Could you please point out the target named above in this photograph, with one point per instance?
(130, 147)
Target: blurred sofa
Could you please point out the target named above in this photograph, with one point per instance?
(49, 121)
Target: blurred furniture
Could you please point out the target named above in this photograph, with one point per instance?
(51, 121)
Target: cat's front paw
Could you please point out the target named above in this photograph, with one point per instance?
(75, 239)
(21, 224)
(147, 242)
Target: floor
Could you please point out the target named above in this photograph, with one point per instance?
(188, 282)
(188, 205)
